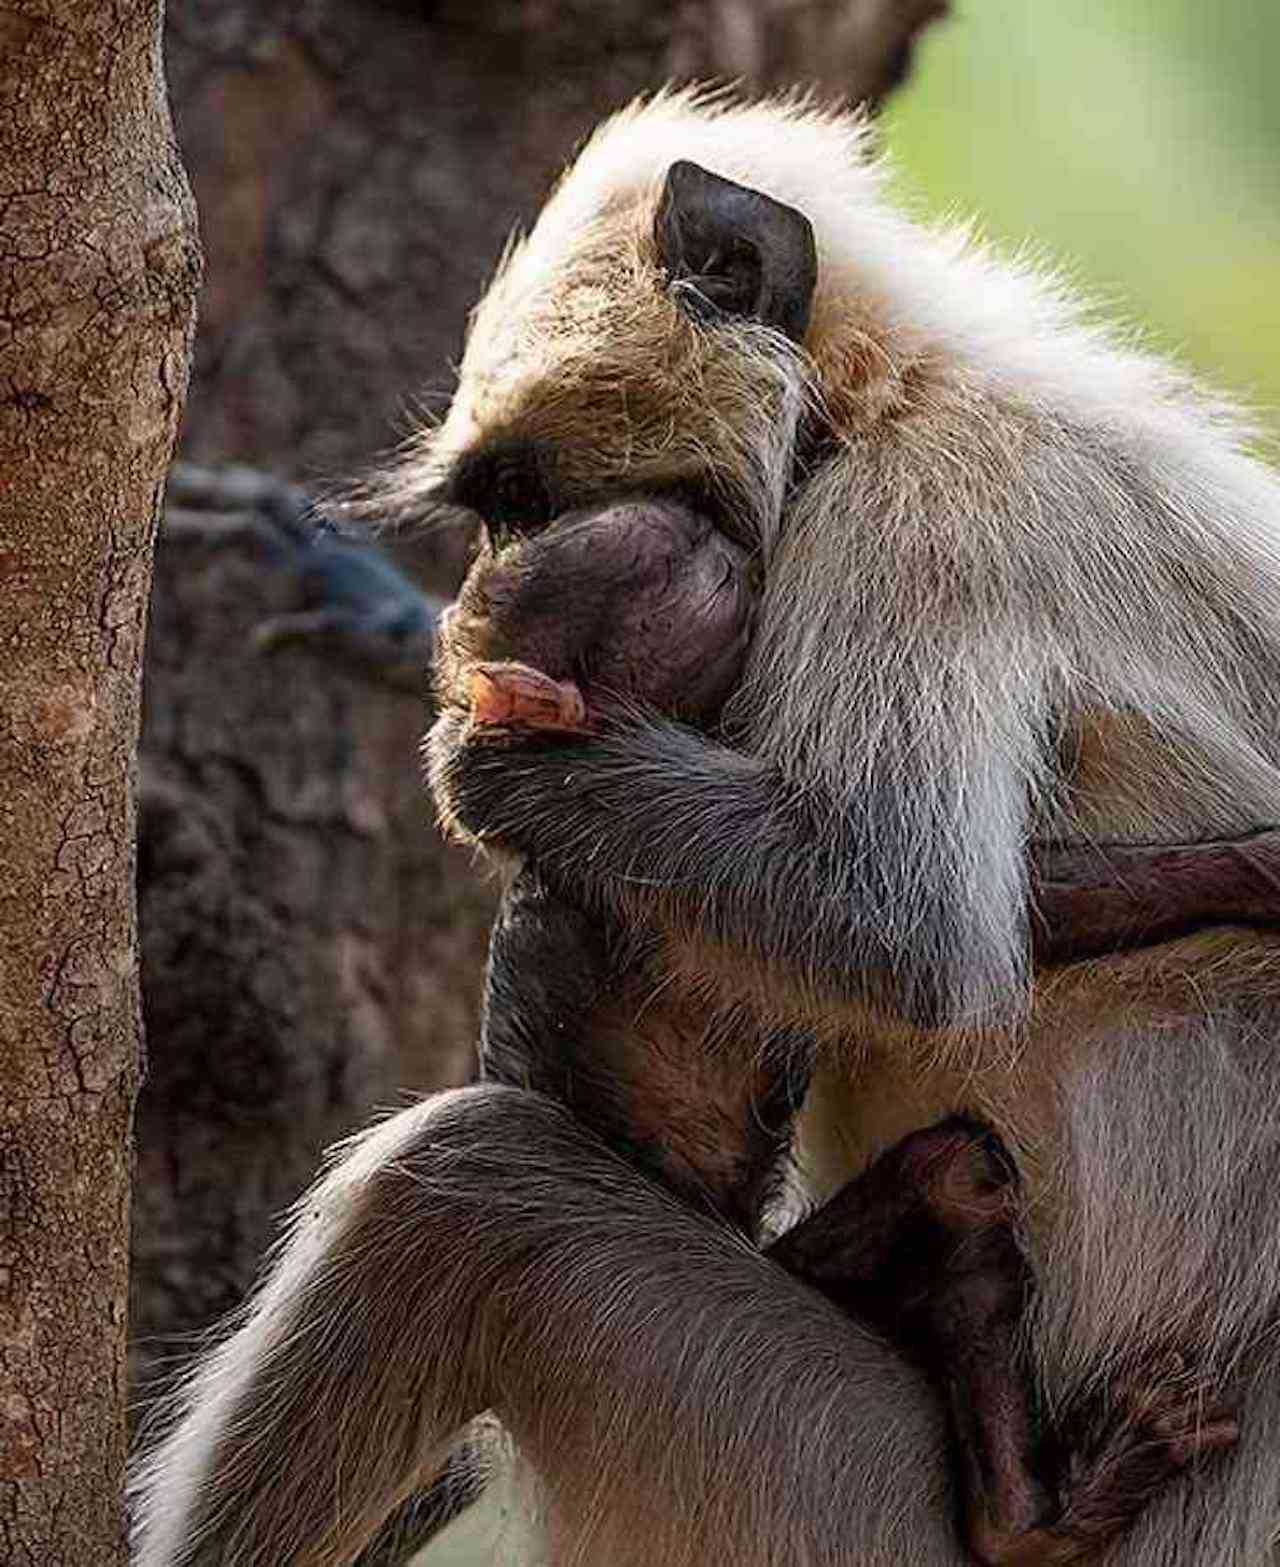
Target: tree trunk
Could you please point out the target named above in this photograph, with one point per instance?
(97, 289)
(310, 947)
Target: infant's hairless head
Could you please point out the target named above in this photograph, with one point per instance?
(643, 600)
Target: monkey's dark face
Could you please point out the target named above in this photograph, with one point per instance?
(643, 600)
(648, 347)
(648, 350)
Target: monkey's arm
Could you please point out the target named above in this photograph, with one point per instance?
(1089, 899)
(651, 816)
(1096, 899)
(652, 819)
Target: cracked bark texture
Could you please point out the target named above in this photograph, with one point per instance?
(98, 274)
(310, 946)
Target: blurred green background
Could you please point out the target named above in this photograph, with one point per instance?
(1137, 142)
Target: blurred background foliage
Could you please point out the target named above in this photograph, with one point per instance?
(1134, 142)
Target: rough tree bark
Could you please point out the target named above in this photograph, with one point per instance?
(310, 946)
(98, 273)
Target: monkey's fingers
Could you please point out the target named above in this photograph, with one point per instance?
(516, 696)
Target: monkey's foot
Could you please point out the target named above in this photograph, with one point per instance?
(912, 1226)
(517, 696)
(924, 1247)
(1163, 1428)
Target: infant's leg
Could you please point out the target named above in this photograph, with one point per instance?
(923, 1247)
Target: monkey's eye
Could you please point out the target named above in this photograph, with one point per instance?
(508, 491)
(520, 504)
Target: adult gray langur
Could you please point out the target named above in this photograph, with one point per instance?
(1020, 586)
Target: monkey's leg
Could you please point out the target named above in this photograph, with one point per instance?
(547, 970)
(548, 967)
(923, 1246)
(568, 1013)
(365, 1350)
(682, 1400)
(344, 1388)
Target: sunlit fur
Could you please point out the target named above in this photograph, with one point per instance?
(1031, 528)
(1022, 580)
(458, 1259)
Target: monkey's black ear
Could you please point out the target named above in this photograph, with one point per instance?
(732, 251)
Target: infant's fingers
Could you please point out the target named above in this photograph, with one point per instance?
(517, 696)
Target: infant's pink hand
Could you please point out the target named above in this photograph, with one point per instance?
(516, 696)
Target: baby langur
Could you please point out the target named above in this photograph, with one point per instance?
(646, 602)
(641, 602)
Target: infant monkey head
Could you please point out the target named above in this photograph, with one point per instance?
(630, 401)
(643, 601)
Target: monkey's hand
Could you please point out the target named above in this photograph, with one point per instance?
(516, 696)
(493, 769)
